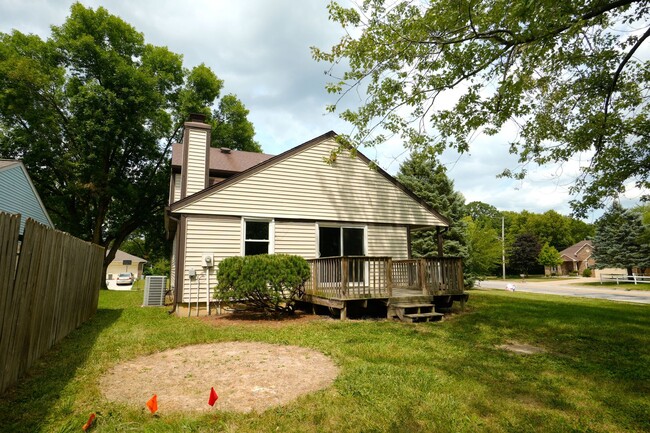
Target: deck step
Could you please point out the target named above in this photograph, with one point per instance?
(420, 305)
(414, 311)
(422, 317)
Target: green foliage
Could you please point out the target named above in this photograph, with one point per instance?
(483, 247)
(586, 273)
(549, 256)
(566, 73)
(558, 230)
(268, 282)
(232, 129)
(620, 240)
(523, 253)
(485, 214)
(92, 111)
(423, 175)
(161, 266)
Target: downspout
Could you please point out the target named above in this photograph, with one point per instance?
(176, 256)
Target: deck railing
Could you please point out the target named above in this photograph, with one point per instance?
(362, 277)
(349, 277)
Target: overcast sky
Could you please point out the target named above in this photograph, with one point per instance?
(260, 48)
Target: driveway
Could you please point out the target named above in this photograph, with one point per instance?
(572, 288)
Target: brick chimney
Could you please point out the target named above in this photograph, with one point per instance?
(196, 155)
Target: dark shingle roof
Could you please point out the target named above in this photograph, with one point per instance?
(235, 161)
(573, 250)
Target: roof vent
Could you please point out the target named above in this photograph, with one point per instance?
(225, 150)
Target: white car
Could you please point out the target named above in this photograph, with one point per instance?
(124, 279)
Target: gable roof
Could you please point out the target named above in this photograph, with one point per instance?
(18, 194)
(121, 255)
(222, 160)
(289, 153)
(572, 252)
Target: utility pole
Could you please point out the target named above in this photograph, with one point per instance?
(503, 247)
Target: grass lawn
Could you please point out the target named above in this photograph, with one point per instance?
(620, 286)
(395, 377)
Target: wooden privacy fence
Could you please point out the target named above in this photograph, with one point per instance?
(49, 285)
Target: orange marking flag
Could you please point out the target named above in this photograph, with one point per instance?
(152, 404)
(89, 423)
(213, 397)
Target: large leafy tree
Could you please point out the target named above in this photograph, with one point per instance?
(485, 214)
(232, 129)
(549, 256)
(92, 111)
(483, 247)
(523, 253)
(620, 240)
(422, 174)
(558, 230)
(568, 73)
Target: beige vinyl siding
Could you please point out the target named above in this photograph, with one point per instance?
(172, 263)
(387, 241)
(219, 236)
(177, 188)
(295, 238)
(304, 186)
(196, 155)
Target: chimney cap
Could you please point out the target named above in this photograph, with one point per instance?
(225, 150)
(197, 117)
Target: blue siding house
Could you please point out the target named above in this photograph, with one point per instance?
(18, 195)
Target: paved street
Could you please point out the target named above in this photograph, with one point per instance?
(571, 288)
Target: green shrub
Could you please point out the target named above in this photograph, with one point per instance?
(271, 283)
(586, 273)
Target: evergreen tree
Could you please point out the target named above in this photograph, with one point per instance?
(619, 240)
(423, 175)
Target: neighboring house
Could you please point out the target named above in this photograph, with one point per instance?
(125, 263)
(229, 203)
(578, 257)
(575, 258)
(18, 194)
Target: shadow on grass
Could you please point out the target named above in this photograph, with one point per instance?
(42, 388)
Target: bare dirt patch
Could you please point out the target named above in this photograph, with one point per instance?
(524, 349)
(247, 376)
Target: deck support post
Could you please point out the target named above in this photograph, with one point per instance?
(439, 240)
(422, 276)
(344, 311)
(345, 265)
(389, 277)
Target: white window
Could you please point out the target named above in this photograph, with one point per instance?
(257, 236)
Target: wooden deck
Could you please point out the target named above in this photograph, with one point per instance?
(337, 282)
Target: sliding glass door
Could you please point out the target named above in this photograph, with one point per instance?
(344, 241)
